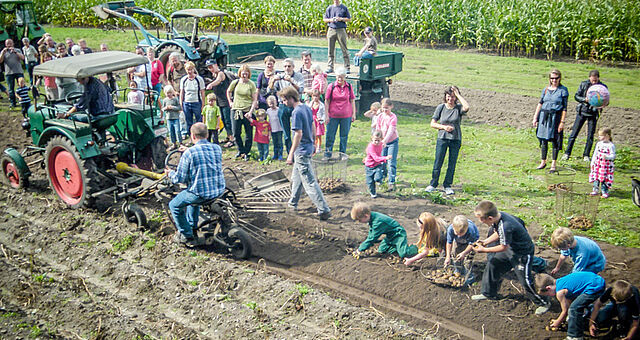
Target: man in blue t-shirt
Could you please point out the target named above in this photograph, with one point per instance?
(302, 149)
(336, 17)
(575, 292)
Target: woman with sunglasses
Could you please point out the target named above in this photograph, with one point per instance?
(549, 118)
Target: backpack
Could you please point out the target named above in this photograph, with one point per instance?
(333, 85)
(230, 75)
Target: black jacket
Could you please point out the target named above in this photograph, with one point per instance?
(581, 97)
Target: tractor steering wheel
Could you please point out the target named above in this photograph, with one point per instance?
(73, 96)
(173, 158)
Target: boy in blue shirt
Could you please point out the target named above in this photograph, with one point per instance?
(575, 292)
(585, 253)
(22, 92)
(465, 233)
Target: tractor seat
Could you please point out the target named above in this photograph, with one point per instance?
(103, 122)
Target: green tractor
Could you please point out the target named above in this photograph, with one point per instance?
(80, 158)
(23, 25)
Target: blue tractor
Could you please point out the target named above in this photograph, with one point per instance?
(182, 32)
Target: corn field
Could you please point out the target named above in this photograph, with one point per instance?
(596, 29)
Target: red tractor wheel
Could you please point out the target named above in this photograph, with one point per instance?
(12, 173)
(69, 175)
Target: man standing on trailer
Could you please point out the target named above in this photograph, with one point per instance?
(200, 168)
(336, 17)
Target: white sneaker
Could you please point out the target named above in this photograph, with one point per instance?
(542, 309)
(374, 195)
(448, 191)
(429, 189)
(565, 157)
(573, 338)
(479, 297)
(586, 159)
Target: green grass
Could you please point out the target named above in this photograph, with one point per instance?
(482, 71)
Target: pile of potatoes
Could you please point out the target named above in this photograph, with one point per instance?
(558, 186)
(447, 277)
(580, 223)
(329, 185)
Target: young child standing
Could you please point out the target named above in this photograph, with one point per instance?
(171, 109)
(261, 136)
(135, 96)
(622, 300)
(575, 292)
(586, 255)
(23, 96)
(381, 224)
(465, 233)
(317, 108)
(373, 113)
(602, 163)
(276, 127)
(211, 117)
(387, 122)
(50, 87)
(374, 162)
(432, 237)
(319, 79)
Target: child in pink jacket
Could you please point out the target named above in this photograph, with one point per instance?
(374, 162)
(387, 123)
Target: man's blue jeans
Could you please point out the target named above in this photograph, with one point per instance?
(332, 129)
(390, 168)
(185, 209)
(284, 113)
(226, 120)
(11, 84)
(374, 175)
(576, 314)
(302, 176)
(441, 150)
(192, 110)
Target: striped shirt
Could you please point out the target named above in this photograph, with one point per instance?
(23, 93)
(200, 168)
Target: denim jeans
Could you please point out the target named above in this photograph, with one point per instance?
(390, 168)
(11, 84)
(225, 111)
(302, 176)
(276, 137)
(263, 151)
(576, 318)
(244, 147)
(621, 310)
(374, 175)
(29, 65)
(185, 209)
(365, 55)
(284, 113)
(332, 128)
(174, 130)
(192, 110)
(441, 149)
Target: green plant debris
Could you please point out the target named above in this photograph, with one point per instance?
(123, 244)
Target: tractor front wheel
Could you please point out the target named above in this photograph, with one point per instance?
(13, 174)
(70, 176)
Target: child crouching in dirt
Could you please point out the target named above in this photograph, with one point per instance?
(381, 224)
(575, 292)
(465, 233)
(432, 237)
(586, 254)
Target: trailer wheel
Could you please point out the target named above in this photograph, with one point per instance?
(13, 174)
(158, 153)
(70, 177)
(134, 214)
(240, 243)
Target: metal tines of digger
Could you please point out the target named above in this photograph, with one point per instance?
(253, 230)
(265, 193)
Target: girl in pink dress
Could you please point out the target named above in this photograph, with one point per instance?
(317, 108)
(602, 163)
(319, 78)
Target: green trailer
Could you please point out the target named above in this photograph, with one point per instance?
(370, 80)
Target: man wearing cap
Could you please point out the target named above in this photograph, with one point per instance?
(369, 49)
(219, 85)
(336, 17)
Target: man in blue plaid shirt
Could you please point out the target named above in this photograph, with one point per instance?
(200, 168)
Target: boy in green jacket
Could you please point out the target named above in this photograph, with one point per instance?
(211, 117)
(381, 224)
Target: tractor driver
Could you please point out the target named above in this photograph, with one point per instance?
(200, 168)
(96, 101)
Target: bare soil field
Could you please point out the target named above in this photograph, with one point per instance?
(87, 274)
